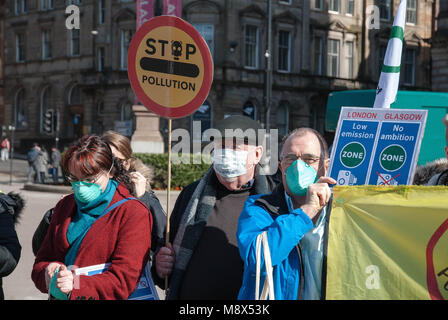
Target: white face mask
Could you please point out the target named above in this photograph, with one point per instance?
(229, 163)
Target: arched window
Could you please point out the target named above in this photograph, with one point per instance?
(283, 119)
(75, 95)
(45, 104)
(20, 120)
(250, 110)
(204, 115)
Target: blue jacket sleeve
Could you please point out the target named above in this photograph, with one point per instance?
(284, 233)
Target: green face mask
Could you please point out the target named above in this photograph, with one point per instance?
(299, 176)
(86, 192)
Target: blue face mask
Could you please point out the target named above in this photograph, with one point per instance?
(86, 192)
(299, 176)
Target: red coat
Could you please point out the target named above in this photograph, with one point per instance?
(121, 237)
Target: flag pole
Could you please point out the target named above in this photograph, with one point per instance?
(389, 81)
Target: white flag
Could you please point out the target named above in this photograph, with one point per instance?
(390, 72)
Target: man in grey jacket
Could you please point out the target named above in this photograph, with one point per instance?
(55, 162)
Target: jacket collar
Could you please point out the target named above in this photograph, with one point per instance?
(275, 202)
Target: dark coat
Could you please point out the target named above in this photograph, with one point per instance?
(11, 206)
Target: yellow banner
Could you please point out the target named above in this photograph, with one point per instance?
(388, 243)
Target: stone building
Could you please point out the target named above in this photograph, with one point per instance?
(440, 49)
(318, 46)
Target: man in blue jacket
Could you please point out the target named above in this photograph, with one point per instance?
(294, 216)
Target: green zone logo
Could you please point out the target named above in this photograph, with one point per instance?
(353, 154)
(392, 157)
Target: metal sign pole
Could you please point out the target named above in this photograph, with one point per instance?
(167, 239)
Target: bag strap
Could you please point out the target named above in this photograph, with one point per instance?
(268, 286)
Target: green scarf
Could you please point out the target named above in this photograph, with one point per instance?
(86, 215)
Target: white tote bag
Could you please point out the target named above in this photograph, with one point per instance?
(268, 286)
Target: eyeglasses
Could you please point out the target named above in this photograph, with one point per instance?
(92, 179)
(309, 159)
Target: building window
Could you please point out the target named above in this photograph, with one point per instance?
(284, 50)
(44, 106)
(20, 47)
(75, 2)
(126, 112)
(351, 7)
(100, 62)
(335, 6)
(333, 58)
(251, 46)
(409, 66)
(207, 32)
(100, 108)
(385, 9)
(283, 119)
(411, 12)
(74, 42)
(318, 55)
(46, 44)
(318, 4)
(20, 6)
(204, 115)
(101, 11)
(285, 1)
(349, 59)
(19, 110)
(126, 37)
(46, 5)
(75, 95)
(250, 110)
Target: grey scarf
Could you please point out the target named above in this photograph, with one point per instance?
(195, 219)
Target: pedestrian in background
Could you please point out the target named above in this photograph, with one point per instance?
(6, 147)
(55, 162)
(32, 157)
(77, 236)
(11, 206)
(41, 166)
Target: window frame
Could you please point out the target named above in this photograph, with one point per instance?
(288, 52)
(200, 27)
(389, 7)
(413, 66)
(413, 10)
(20, 47)
(353, 7)
(124, 51)
(318, 59)
(332, 2)
(256, 46)
(329, 58)
(350, 59)
(20, 107)
(47, 53)
(72, 42)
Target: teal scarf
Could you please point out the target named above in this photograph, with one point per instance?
(86, 215)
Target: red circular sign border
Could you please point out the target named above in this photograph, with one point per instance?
(197, 101)
(431, 280)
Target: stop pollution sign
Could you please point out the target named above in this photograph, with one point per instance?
(170, 67)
